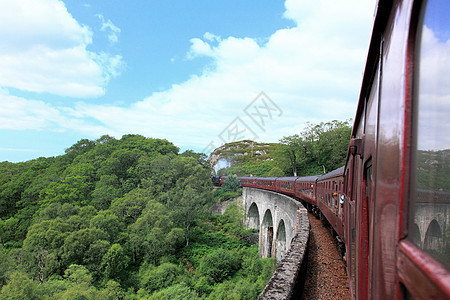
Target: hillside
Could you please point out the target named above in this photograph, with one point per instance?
(318, 149)
(121, 219)
(249, 158)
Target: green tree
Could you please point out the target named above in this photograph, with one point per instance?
(318, 148)
(106, 189)
(78, 275)
(4, 265)
(131, 205)
(178, 291)
(79, 244)
(219, 265)
(48, 235)
(20, 287)
(156, 278)
(108, 222)
(276, 172)
(112, 291)
(115, 262)
(231, 184)
(189, 200)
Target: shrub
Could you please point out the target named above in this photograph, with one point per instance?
(156, 278)
(219, 265)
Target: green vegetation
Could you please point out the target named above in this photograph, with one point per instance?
(433, 171)
(317, 149)
(122, 219)
(248, 158)
(231, 188)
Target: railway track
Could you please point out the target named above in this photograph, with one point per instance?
(326, 277)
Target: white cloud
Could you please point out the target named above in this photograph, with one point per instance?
(108, 25)
(17, 113)
(312, 72)
(43, 49)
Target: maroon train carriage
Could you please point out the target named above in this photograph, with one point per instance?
(222, 179)
(267, 183)
(330, 199)
(305, 190)
(248, 181)
(286, 185)
(396, 213)
(398, 149)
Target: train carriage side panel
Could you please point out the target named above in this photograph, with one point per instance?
(286, 185)
(329, 199)
(305, 189)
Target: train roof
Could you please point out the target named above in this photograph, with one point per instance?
(334, 173)
(258, 178)
(308, 178)
(286, 178)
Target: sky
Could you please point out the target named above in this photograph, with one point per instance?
(197, 73)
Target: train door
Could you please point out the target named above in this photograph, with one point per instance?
(351, 205)
(366, 207)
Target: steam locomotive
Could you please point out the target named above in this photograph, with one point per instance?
(390, 203)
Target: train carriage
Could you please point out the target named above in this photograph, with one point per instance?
(329, 199)
(248, 181)
(400, 138)
(305, 189)
(267, 183)
(395, 218)
(286, 185)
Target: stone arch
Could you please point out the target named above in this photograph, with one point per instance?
(433, 237)
(253, 217)
(281, 247)
(266, 233)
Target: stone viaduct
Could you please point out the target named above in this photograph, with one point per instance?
(276, 217)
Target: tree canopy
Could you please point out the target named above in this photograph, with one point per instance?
(113, 219)
(318, 148)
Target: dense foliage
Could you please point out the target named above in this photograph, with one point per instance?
(121, 219)
(318, 148)
(248, 158)
(433, 170)
(231, 188)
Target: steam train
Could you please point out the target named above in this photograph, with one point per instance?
(390, 203)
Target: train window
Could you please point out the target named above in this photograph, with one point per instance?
(429, 225)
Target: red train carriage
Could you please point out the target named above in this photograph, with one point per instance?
(396, 181)
(329, 194)
(286, 185)
(398, 149)
(305, 189)
(267, 183)
(248, 181)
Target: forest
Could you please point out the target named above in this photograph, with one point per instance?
(130, 218)
(122, 219)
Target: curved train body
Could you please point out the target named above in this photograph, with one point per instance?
(390, 203)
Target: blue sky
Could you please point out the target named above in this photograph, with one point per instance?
(192, 72)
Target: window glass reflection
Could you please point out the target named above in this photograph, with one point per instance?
(430, 229)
